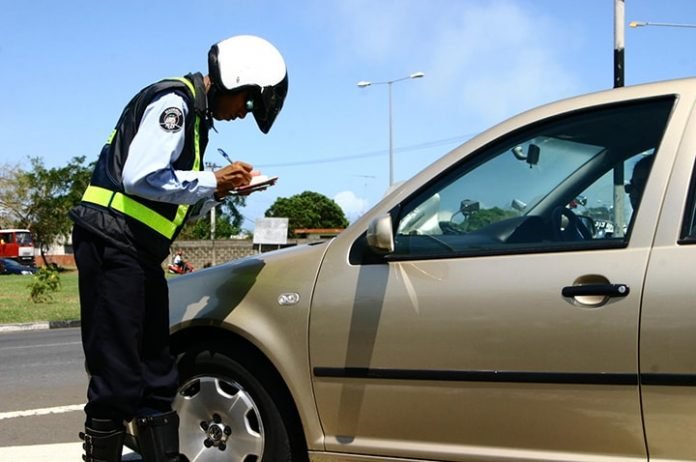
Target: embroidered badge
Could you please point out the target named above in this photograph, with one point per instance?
(171, 119)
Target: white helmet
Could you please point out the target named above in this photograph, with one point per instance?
(246, 62)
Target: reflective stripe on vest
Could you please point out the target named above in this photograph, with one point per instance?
(134, 209)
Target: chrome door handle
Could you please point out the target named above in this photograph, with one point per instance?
(604, 290)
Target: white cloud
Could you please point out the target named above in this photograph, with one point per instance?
(352, 205)
(483, 59)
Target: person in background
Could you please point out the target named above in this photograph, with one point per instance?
(179, 259)
(149, 179)
(639, 178)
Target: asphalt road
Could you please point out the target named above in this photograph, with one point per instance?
(43, 383)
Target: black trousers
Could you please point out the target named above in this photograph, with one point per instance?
(124, 305)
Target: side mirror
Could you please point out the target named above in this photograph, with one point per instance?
(380, 235)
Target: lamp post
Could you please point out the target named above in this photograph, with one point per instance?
(388, 83)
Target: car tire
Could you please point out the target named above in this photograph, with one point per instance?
(226, 412)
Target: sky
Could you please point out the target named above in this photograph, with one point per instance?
(68, 68)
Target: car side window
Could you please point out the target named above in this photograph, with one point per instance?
(562, 184)
(688, 234)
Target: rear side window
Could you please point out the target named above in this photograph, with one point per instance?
(688, 234)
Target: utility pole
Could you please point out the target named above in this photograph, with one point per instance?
(619, 20)
(212, 168)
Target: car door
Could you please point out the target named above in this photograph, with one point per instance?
(668, 326)
(460, 344)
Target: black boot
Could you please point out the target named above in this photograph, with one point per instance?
(103, 441)
(158, 438)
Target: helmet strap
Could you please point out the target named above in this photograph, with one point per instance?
(212, 96)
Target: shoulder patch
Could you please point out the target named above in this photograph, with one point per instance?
(171, 119)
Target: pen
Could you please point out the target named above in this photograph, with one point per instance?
(224, 154)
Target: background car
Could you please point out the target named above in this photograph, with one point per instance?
(475, 313)
(9, 266)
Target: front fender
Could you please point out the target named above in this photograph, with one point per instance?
(266, 300)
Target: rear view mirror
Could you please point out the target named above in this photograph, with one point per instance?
(380, 235)
(531, 156)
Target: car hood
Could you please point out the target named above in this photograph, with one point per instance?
(211, 296)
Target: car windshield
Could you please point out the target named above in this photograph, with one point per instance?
(525, 184)
(24, 238)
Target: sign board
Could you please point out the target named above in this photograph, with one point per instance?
(271, 231)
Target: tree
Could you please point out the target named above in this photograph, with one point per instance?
(41, 198)
(12, 196)
(308, 210)
(484, 217)
(228, 221)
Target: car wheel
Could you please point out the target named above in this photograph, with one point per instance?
(226, 412)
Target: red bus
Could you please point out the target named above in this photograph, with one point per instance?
(18, 245)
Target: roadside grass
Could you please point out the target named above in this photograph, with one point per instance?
(17, 307)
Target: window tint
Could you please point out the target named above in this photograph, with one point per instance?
(688, 235)
(560, 184)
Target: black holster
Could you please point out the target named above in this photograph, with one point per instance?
(158, 438)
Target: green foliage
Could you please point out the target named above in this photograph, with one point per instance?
(484, 217)
(43, 284)
(308, 210)
(228, 221)
(10, 194)
(40, 199)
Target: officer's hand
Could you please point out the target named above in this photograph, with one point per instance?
(232, 176)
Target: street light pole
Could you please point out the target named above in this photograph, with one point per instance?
(391, 137)
(388, 83)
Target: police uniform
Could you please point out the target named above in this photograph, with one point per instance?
(147, 182)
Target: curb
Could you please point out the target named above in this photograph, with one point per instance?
(38, 325)
(63, 324)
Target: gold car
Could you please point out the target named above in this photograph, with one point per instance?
(511, 302)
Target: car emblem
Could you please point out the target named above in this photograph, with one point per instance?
(287, 299)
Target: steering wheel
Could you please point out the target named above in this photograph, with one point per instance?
(574, 229)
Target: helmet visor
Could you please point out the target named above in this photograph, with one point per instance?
(268, 103)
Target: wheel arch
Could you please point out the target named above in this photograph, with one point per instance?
(242, 350)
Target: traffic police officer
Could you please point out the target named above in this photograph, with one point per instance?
(148, 181)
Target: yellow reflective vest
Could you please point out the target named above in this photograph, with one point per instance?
(142, 227)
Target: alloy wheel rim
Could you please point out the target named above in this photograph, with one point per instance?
(219, 421)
